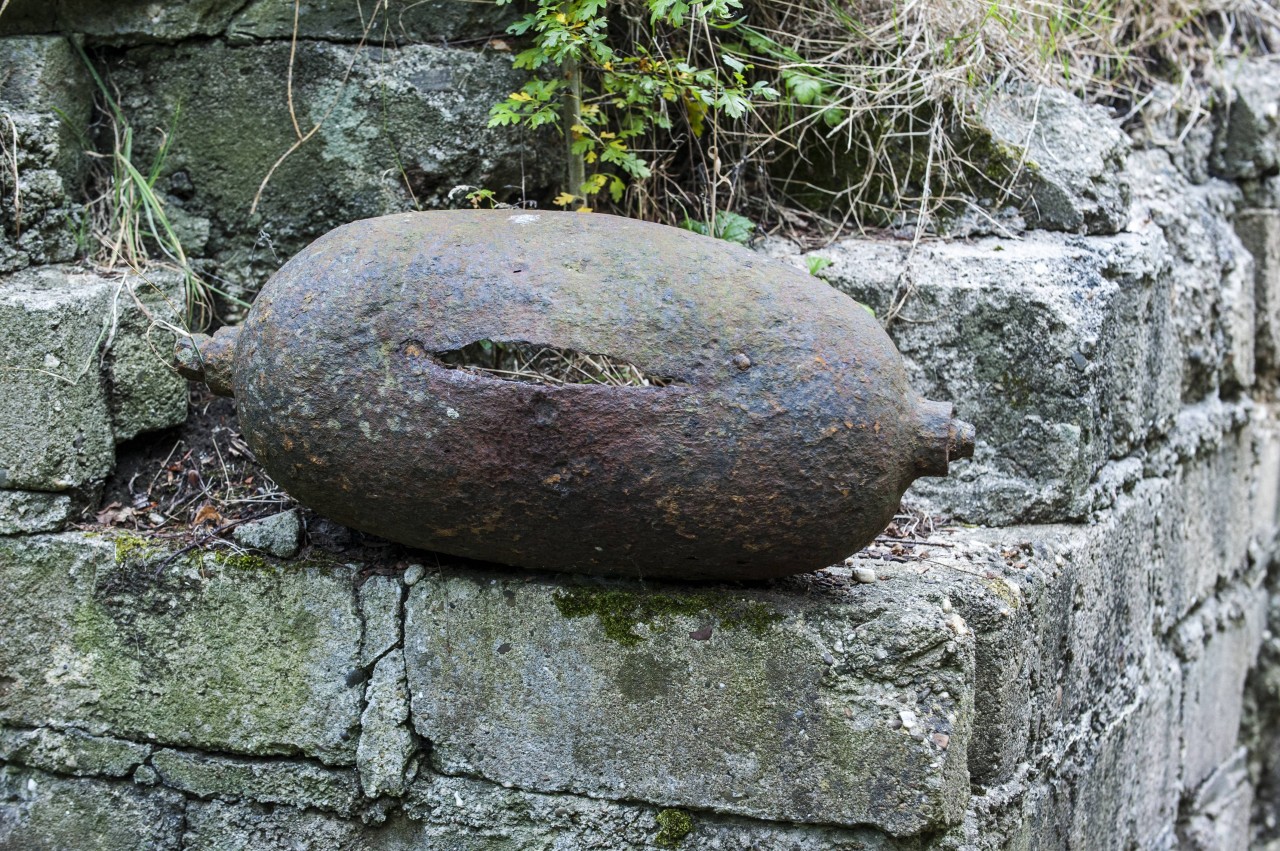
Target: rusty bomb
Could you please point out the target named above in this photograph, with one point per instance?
(777, 437)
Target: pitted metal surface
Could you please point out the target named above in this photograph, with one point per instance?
(781, 439)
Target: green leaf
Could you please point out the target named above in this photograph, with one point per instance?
(804, 89)
(729, 226)
(816, 264)
(734, 228)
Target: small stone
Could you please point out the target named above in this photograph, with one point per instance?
(741, 361)
(279, 535)
(942, 740)
(908, 718)
(413, 573)
(145, 775)
(850, 561)
(956, 624)
(828, 659)
(865, 575)
(946, 605)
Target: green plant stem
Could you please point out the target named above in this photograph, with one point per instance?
(572, 117)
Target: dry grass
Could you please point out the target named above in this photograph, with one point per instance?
(128, 225)
(547, 365)
(886, 92)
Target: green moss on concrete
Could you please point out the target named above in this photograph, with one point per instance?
(674, 826)
(131, 547)
(247, 661)
(90, 627)
(620, 611)
(241, 561)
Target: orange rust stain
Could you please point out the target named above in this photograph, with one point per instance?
(820, 360)
(553, 479)
(848, 424)
(413, 350)
(876, 428)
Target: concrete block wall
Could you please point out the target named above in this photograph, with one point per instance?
(1085, 660)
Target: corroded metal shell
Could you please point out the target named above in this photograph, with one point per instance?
(782, 443)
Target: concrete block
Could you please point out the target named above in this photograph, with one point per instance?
(1210, 273)
(232, 658)
(380, 599)
(462, 814)
(397, 22)
(1069, 158)
(119, 22)
(1220, 810)
(1247, 139)
(71, 752)
(839, 708)
(1259, 231)
(146, 394)
(385, 755)
(291, 782)
(1220, 643)
(55, 424)
(1264, 485)
(26, 512)
(1126, 784)
(1060, 350)
(45, 110)
(406, 129)
(42, 811)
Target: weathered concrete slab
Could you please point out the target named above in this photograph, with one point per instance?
(1061, 352)
(1070, 160)
(714, 699)
(146, 394)
(461, 814)
(45, 110)
(27, 512)
(1219, 644)
(238, 657)
(1210, 273)
(408, 127)
(387, 750)
(1068, 618)
(121, 21)
(292, 782)
(55, 425)
(1246, 143)
(396, 22)
(40, 811)
(71, 752)
(1259, 231)
(1220, 811)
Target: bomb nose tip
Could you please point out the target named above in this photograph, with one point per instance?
(962, 440)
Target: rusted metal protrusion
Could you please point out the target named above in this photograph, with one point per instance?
(208, 359)
(755, 422)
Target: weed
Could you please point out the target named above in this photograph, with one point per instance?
(126, 217)
(816, 264)
(876, 122)
(728, 226)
